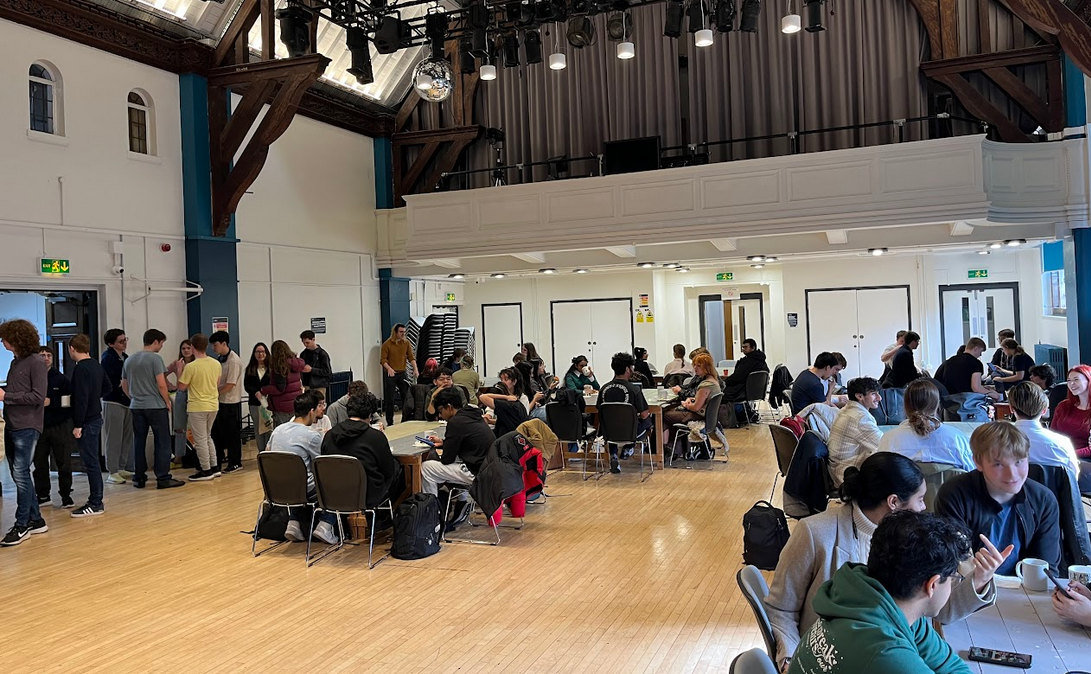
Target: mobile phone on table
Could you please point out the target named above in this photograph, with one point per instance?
(1006, 658)
(425, 441)
(1056, 581)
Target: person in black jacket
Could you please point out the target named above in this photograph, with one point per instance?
(56, 439)
(903, 367)
(464, 446)
(356, 438)
(318, 369)
(254, 378)
(89, 386)
(753, 360)
(998, 501)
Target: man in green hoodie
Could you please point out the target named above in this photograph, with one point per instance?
(877, 618)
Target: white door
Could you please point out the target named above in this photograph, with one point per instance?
(880, 314)
(976, 312)
(611, 332)
(501, 335)
(831, 326)
(571, 328)
(714, 329)
(746, 324)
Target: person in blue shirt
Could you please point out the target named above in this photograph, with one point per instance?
(810, 386)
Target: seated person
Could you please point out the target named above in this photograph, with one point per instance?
(996, 500)
(322, 423)
(922, 437)
(1072, 418)
(509, 387)
(692, 407)
(579, 375)
(532, 389)
(336, 411)
(963, 372)
(679, 363)
(1078, 608)
(877, 618)
(454, 363)
(1046, 379)
(854, 435)
(621, 390)
(444, 381)
(468, 377)
(753, 360)
(1047, 447)
(298, 437)
(640, 357)
(1000, 357)
(427, 376)
(463, 448)
(885, 483)
(903, 367)
(1019, 363)
(356, 438)
(810, 387)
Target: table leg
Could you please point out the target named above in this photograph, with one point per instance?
(658, 414)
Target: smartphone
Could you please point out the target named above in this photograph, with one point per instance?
(425, 441)
(1061, 588)
(1006, 658)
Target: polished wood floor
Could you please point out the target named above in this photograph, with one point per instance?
(609, 576)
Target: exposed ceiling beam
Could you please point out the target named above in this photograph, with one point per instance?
(837, 237)
(725, 245)
(961, 228)
(535, 258)
(622, 251)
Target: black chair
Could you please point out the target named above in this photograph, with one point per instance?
(755, 590)
(1075, 545)
(341, 483)
(284, 481)
(712, 415)
(757, 384)
(618, 424)
(566, 421)
(753, 661)
(784, 443)
(456, 490)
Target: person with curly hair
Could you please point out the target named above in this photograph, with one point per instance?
(24, 405)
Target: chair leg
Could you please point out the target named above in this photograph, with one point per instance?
(330, 549)
(310, 535)
(643, 444)
(371, 545)
(473, 506)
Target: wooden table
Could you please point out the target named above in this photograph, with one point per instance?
(402, 445)
(1023, 621)
(655, 406)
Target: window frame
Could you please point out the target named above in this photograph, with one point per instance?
(143, 109)
(1054, 297)
(52, 85)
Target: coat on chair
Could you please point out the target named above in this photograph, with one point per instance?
(502, 475)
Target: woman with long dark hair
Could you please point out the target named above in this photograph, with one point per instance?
(580, 375)
(922, 437)
(285, 382)
(180, 418)
(255, 377)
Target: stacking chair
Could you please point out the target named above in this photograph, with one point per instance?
(284, 481)
(341, 483)
(784, 442)
(754, 661)
(567, 422)
(712, 414)
(754, 589)
(617, 424)
(458, 490)
(757, 384)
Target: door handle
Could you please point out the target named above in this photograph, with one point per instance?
(861, 336)
(855, 337)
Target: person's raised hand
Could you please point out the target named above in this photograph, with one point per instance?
(986, 561)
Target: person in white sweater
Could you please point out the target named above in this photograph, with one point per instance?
(922, 437)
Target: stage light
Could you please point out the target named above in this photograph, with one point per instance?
(360, 54)
(816, 15)
(581, 32)
(751, 9)
(626, 50)
(673, 25)
(511, 50)
(619, 27)
(792, 22)
(724, 16)
(557, 61)
(532, 43)
(488, 72)
(295, 29)
(696, 14)
(704, 38)
(391, 35)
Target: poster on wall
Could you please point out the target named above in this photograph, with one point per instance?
(793, 320)
(220, 323)
(644, 300)
(318, 325)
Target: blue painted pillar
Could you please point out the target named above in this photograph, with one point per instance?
(210, 260)
(1077, 249)
(384, 174)
(393, 300)
(1075, 100)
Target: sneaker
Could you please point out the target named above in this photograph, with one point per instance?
(175, 464)
(168, 483)
(461, 513)
(88, 510)
(127, 474)
(38, 526)
(232, 469)
(67, 502)
(43, 500)
(324, 532)
(628, 451)
(116, 478)
(140, 484)
(202, 476)
(216, 472)
(615, 467)
(293, 532)
(15, 536)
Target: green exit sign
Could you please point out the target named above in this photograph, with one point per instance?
(51, 266)
(450, 297)
(977, 273)
(725, 276)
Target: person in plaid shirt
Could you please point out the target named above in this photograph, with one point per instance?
(855, 436)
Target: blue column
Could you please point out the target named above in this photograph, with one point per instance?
(1077, 272)
(210, 260)
(393, 300)
(1075, 103)
(384, 174)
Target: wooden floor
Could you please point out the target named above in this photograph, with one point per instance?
(614, 576)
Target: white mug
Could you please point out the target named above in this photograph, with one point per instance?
(1033, 574)
(1081, 573)
(587, 370)
(66, 401)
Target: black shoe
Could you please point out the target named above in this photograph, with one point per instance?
(67, 502)
(140, 484)
(615, 467)
(169, 483)
(232, 468)
(38, 526)
(88, 510)
(202, 476)
(461, 513)
(15, 536)
(43, 499)
(627, 451)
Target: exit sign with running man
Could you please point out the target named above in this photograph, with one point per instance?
(51, 266)
(978, 273)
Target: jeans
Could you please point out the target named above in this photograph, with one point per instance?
(159, 423)
(56, 441)
(227, 434)
(391, 384)
(88, 443)
(538, 413)
(22, 451)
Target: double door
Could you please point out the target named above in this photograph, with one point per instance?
(858, 323)
(596, 329)
(972, 310)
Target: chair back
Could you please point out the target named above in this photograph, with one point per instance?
(754, 589)
(756, 385)
(784, 443)
(1075, 545)
(754, 661)
(617, 422)
(724, 364)
(341, 483)
(712, 412)
(566, 420)
(935, 474)
(283, 477)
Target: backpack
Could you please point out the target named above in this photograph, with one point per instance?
(795, 425)
(765, 532)
(274, 521)
(416, 528)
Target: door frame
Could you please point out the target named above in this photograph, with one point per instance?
(553, 325)
(522, 335)
(761, 312)
(807, 307)
(999, 285)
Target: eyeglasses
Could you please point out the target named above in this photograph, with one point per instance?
(956, 579)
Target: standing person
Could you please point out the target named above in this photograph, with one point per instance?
(903, 367)
(318, 369)
(89, 386)
(254, 379)
(285, 382)
(24, 406)
(888, 352)
(227, 429)
(117, 425)
(201, 380)
(56, 440)
(179, 415)
(144, 381)
(395, 356)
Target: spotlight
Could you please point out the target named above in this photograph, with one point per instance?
(995, 245)
(756, 258)
(671, 265)
(646, 265)
(547, 270)
(581, 32)
(550, 11)
(684, 270)
(696, 14)
(456, 276)
(673, 25)
(525, 14)
(626, 50)
(360, 53)
(295, 29)
(488, 72)
(704, 38)
(581, 271)
(1014, 242)
(725, 15)
(435, 27)
(557, 61)
(532, 43)
(757, 266)
(466, 63)
(877, 251)
(751, 9)
(816, 15)
(510, 47)
(619, 27)
(498, 275)
(391, 35)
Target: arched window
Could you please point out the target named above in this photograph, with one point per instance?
(44, 99)
(141, 138)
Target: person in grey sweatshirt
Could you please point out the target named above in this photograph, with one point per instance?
(24, 407)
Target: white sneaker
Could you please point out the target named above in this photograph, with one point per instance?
(116, 478)
(324, 532)
(293, 532)
(127, 474)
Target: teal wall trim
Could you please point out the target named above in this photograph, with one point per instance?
(210, 261)
(384, 174)
(1079, 335)
(1075, 103)
(393, 300)
(1052, 256)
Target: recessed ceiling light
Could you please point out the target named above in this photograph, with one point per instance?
(456, 276)
(758, 266)
(770, 259)
(984, 252)
(684, 270)
(994, 246)
(646, 265)
(756, 258)
(581, 271)
(497, 275)
(1015, 242)
(547, 270)
(877, 251)
(672, 265)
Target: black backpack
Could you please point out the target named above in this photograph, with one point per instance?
(274, 521)
(765, 532)
(416, 528)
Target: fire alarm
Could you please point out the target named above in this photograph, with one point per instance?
(165, 247)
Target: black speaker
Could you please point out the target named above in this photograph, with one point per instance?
(389, 35)
(466, 61)
(816, 15)
(532, 43)
(673, 25)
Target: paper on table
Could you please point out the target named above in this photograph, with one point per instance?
(420, 445)
(1009, 582)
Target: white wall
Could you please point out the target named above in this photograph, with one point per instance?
(73, 197)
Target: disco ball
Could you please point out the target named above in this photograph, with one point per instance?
(442, 79)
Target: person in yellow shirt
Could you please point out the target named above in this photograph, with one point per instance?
(395, 356)
(201, 380)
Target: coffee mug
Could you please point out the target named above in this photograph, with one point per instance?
(586, 371)
(1033, 574)
(1081, 573)
(66, 401)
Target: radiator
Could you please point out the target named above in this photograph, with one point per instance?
(1054, 356)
